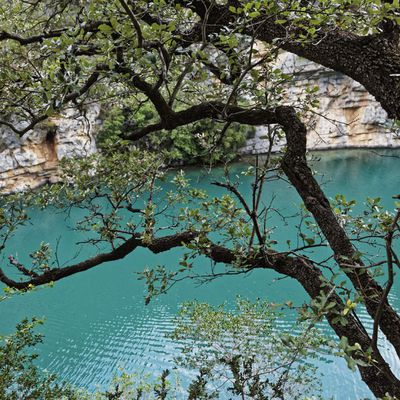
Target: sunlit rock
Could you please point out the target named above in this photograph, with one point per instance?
(347, 116)
(32, 161)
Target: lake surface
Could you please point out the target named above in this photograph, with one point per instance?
(97, 322)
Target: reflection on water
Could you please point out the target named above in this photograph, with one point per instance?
(96, 321)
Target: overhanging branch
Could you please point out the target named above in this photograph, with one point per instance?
(157, 245)
(209, 110)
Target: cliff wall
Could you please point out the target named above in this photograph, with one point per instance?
(33, 160)
(348, 116)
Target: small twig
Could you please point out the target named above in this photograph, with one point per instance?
(135, 22)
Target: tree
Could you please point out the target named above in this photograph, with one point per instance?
(244, 349)
(20, 378)
(60, 53)
(266, 364)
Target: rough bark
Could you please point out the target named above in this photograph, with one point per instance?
(157, 245)
(379, 377)
(213, 110)
(372, 60)
(295, 167)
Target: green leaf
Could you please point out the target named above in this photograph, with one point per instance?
(106, 29)
(254, 14)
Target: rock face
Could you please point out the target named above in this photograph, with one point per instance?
(348, 116)
(33, 160)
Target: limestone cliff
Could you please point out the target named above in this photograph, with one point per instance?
(33, 160)
(348, 116)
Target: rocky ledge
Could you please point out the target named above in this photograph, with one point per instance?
(33, 160)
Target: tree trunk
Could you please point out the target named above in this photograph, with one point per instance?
(378, 376)
(295, 167)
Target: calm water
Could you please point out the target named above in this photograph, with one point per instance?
(97, 322)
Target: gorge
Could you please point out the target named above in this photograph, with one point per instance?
(347, 117)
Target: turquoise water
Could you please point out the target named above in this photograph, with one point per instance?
(97, 322)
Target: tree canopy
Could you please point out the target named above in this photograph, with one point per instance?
(191, 61)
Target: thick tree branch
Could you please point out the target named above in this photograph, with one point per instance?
(91, 26)
(372, 60)
(91, 80)
(154, 95)
(135, 22)
(294, 164)
(390, 255)
(213, 110)
(31, 39)
(378, 376)
(157, 245)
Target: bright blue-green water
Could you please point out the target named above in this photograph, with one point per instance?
(97, 322)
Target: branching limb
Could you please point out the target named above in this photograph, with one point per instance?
(213, 110)
(135, 22)
(294, 164)
(157, 245)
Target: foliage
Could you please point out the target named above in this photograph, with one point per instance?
(193, 144)
(19, 377)
(197, 61)
(240, 352)
(124, 179)
(360, 16)
(83, 64)
(117, 190)
(243, 352)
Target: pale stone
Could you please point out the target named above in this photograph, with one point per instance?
(7, 161)
(348, 116)
(33, 160)
(37, 136)
(8, 138)
(26, 157)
